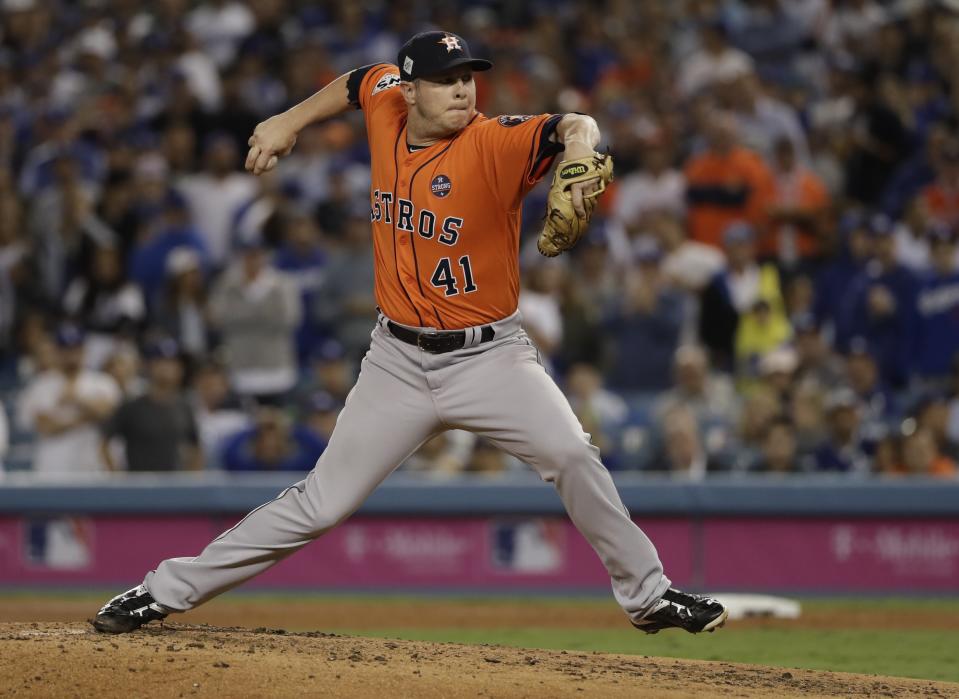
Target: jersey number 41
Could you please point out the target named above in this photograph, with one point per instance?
(444, 277)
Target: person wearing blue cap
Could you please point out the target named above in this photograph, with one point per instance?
(937, 309)
(879, 305)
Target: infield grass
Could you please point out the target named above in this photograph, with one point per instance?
(919, 654)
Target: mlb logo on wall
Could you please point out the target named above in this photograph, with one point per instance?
(62, 543)
(528, 546)
(441, 186)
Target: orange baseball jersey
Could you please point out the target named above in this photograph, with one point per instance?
(446, 218)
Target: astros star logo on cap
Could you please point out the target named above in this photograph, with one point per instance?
(451, 43)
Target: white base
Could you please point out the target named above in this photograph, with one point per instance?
(745, 606)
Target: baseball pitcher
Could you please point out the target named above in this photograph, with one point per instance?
(449, 350)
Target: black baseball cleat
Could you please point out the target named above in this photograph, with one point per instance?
(128, 612)
(682, 610)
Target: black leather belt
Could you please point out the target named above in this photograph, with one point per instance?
(438, 342)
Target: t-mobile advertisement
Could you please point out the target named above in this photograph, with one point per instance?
(535, 553)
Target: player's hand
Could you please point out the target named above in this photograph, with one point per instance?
(580, 194)
(271, 140)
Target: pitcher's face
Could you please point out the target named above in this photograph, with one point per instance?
(447, 101)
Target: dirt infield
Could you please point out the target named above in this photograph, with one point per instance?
(180, 660)
(302, 614)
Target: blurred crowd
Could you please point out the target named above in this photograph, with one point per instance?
(771, 284)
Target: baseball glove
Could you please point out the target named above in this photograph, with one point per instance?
(564, 227)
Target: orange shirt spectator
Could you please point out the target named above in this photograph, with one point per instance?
(921, 457)
(799, 202)
(941, 198)
(724, 184)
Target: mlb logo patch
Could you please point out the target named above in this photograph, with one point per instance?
(386, 82)
(514, 119)
(441, 186)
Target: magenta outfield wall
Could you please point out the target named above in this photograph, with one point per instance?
(827, 555)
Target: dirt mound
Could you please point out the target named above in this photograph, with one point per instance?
(180, 660)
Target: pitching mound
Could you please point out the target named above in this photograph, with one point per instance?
(180, 660)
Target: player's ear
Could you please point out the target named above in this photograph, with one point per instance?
(409, 92)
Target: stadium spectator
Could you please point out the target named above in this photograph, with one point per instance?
(656, 188)
(682, 451)
(686, 264)
(107, 305)
(817, 363)
(647, 323)
(714, 60)
(921, 456)
(450, 453)
(931, 412)
(169, 229)
(763, 122)
(710, 395)
(272, 444)
(743, 314)
(320, 413)
(215, 194)
(65, 407)
(217, 412)
(181, 310)
(156, 428)
(879, 137)
(539, 304)
(123, 366)
(331, 371)
(797, 211)
(940, 198)
(346, 305)
(601, 412)
(879, 408)
(725, 183)
(302, 257)
(879, 306)
(842, 451)
(779, 452)
(256, 309)
(847, 261)
(937, 310)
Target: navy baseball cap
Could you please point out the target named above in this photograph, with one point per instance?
(805, 323)
(70, 335)
(881, 226)
(429, 53)
(940, 232)
(162, 348)
(738, 232)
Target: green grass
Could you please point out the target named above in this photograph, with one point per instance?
(919, 654)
